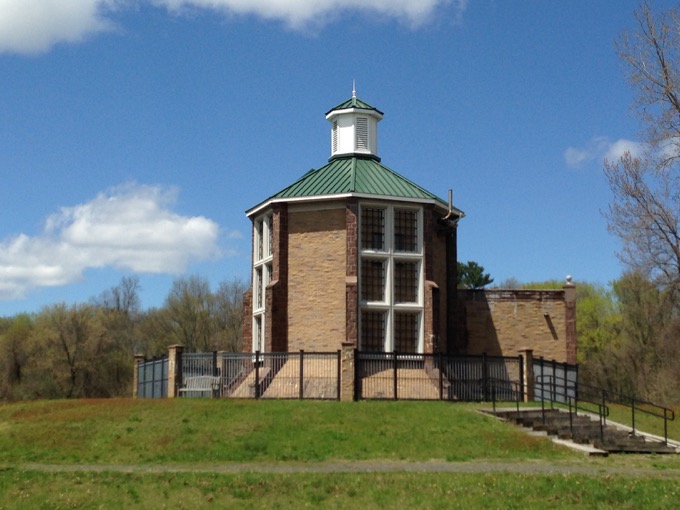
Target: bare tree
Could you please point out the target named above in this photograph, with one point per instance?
(645, 209)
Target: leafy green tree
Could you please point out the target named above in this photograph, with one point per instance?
(472, 276)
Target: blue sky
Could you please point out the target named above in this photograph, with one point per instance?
(134, 134)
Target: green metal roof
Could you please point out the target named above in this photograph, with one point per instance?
(354, 102)
(354, 175)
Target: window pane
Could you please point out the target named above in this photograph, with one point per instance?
(372, 229)
(257, 284)
(270, 229)
(257, 340)
(372, 280)
(405, 282)
(405, 230)
(259, 239)
(406, 332)
(373, 331)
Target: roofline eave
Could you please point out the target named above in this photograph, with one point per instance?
(364, 196)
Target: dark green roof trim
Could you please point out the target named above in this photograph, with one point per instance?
(358, 176)
(354, 102)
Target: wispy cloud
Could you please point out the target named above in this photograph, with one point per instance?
(600, 149)
(130, 227)
(34, 26)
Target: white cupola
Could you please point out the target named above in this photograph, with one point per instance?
(354, 129)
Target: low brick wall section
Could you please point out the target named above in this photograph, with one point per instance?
(507, 322)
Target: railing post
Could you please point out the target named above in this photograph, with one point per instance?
(257, 375)
(485, 380)
(521, 376)
(441, 378)
(339, 372)
(357, 376)
(632, 405)
(302, 373)
(542, 380)
(553, 396)
(394, 358)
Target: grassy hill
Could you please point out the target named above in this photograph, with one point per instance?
(193, 453)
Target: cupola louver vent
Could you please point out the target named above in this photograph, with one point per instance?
(362, 133)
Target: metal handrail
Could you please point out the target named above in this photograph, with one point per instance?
(605, 397)
(515, 387)
(570, 397)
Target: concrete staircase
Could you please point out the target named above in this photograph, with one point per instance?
(581, 429)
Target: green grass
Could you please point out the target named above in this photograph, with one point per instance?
(125, 431)
(31, 490)
(148, 436)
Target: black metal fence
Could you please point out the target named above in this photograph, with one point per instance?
(412, 376)
(273, 375)
(152, 378)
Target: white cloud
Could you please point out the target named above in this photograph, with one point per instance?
(130, 227)
(600, 149)
(34, 26)
(300, 13)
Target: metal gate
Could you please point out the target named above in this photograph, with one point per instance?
(152, 378)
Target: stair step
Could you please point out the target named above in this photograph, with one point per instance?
(584, 430)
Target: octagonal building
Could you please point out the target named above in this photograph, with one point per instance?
(352, 253)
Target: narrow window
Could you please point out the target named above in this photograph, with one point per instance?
(259, 235)
(334, 141)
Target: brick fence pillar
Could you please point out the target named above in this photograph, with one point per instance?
(139, 358)
(174, 369)
(347, 369)
(528, 382)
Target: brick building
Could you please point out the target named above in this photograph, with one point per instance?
(354, 253)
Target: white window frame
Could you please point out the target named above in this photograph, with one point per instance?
(262, 271)
(390, 256)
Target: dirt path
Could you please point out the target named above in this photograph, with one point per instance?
(365, 467)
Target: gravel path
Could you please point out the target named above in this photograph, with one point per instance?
(364, 467)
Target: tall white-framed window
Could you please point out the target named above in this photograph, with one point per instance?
(391, 278)
(262, 276)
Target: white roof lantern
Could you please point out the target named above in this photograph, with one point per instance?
(354, 128)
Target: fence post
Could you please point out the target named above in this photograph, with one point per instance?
(339, 372)
(257, 375)
(139, 358)
(441, 377)
(485, 378)
(528, 373)
(302, 373)
(174, 369)
(356, 377)
(394, 357)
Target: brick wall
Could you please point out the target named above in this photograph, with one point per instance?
(505, 322)
(317, 272)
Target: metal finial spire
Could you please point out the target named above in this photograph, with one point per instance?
(354, 89)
